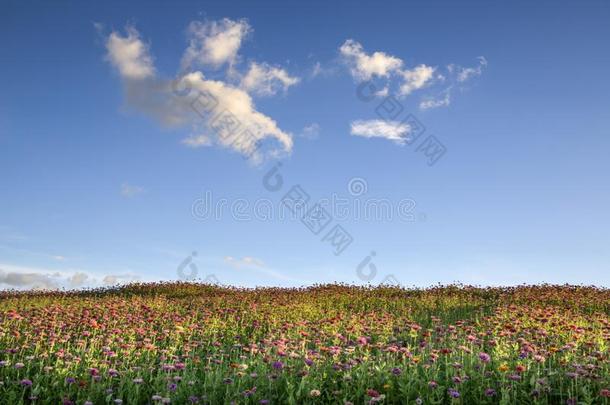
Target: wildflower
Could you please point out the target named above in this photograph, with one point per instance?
(157, 397)
(503, 367)
(19, 365)
(433, 384)
(314, 393)
(138, 381)
(263, 401)
(278, 365)
(193, 399)
(118, 401)
(70, 380)
(514, 377)
(419, 401)
(396, 371)
(249, 392)
(484, 357)
(453, 393)
(372, 393)
(490, 392)
(26, 383)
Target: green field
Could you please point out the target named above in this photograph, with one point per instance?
(192, 343)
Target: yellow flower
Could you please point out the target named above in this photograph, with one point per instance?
(503, 367)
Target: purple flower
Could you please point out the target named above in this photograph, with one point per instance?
(453, 393)
(484, 357)
(433, 384)
(396, 371)
(490, 392)
(26, 383)
(70, 380)
(309, 362)
(278, 365)
(263, 401)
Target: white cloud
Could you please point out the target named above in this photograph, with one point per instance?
(21, 277)
(429, 103)
(364, 66)
(456, 77)
(35, 280)
(265, 80)
(159, 98)
(130, 55)
(214, 43)
(78, 279)
(253, 125)
(465, 74)
(113, 279)
(197, 141)
(394, 131)
(415, 79)
(316, 70)
(246, 261)
(129, 191)
(311, 131)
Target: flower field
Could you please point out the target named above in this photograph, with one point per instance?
(186, 343)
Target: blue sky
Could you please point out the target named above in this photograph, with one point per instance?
(106, 172)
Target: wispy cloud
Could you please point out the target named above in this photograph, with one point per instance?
(114, 279)
(311, 131)
(246, 261)
(456, 78)
(364, 66)
(394, 131)
(396, 78)
(130, 191)
(214, 43)
(265, 80)
(21, 277)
